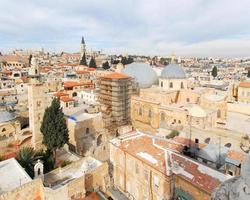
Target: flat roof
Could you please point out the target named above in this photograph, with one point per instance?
(12, 175)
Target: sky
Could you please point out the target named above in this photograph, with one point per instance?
(148, 27)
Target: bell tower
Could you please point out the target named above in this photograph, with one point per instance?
(36, 102)
(82, 47)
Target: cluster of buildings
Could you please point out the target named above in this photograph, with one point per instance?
(153, 129)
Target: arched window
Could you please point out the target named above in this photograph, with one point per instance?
(99, 140)
(87, 131)
(179, 121)
(140, 111)
(4, 129)
(182, 85)
(162, 116)
(219, 113)
(149, 113)
(171, 85)
(74, 94)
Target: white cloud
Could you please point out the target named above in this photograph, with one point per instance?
(193, 27)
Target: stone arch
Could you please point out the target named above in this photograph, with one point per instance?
(99, 140)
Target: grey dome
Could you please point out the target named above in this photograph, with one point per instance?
(143, 74)
(6, 116)
(173, 71)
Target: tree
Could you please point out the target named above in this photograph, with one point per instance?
(92, 63)
(105, 65)
(173, 134)
(83, 60)
(30, 58)
(54, 127)
(25, 157)
(214, 71)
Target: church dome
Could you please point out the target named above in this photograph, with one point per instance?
(173, 71)
(143, 74)
(6, 116)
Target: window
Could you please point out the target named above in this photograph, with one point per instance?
(4, 129)
(162, 116)
(149, 113)
(87, 131)
(170, 85)
(161, 83)
(182, 85)
(188, 100)
(243, 93)
(140, 111)
(179, 121)
(137, 168)
(38, 103)
(219, 113)
(146, 174)
(156, 182)
(67, 104)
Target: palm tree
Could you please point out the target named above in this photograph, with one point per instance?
(26, 157)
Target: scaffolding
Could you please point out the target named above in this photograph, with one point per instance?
(114, 97)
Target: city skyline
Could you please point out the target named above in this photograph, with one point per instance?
(193, 28)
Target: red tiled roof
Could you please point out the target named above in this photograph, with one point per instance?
(66, 99)
(82, 72)
(245, 84)
(193, 171)
(236, 155)
(60, 94)
(116, 75)
(91, 69)
(74, 84)
(186, 141)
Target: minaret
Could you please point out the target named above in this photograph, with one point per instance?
(83, 47)
(36, 102)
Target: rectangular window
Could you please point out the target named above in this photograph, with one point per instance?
(137, 168)
(156, 182)
(146, 174)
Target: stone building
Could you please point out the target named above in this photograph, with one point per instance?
(168, 107)
(145, 167)
(73, 181)
(114, 98)
(244, 92)
(9, 127)
(37, 104)
(87, 136)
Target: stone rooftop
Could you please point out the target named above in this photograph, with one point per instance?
(12, 175)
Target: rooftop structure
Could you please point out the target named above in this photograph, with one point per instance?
(114, 96)
(12, 175)
(173, 71)
(143, 73)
